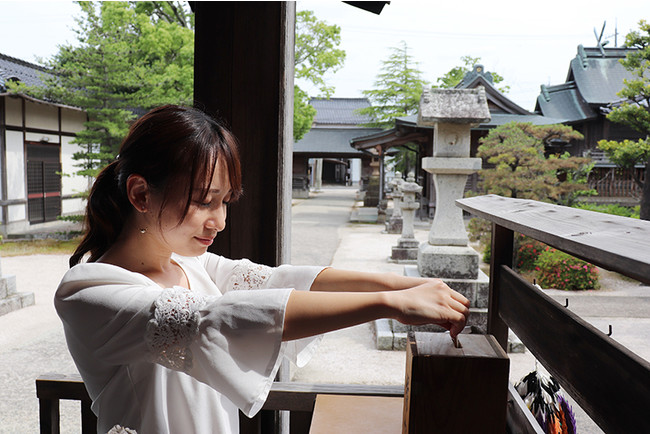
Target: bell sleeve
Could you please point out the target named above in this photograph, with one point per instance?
(236, 275)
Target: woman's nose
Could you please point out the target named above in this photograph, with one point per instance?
(218, 219)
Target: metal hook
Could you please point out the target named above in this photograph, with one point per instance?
(566, 302)
(610, 330)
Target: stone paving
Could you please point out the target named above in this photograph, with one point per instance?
(32, 342)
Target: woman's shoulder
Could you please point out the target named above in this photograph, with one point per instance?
(92, 274)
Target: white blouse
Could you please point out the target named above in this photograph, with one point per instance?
(171, 360)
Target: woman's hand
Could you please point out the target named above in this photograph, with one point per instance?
(431, 302)
(428, 301)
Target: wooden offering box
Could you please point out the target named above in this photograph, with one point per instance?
(455, 390)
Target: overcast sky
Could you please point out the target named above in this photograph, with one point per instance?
(528, 43)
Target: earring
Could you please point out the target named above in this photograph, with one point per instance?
(143, 230)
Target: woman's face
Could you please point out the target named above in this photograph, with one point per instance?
(205, 218)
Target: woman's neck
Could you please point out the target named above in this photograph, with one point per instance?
(143, 253)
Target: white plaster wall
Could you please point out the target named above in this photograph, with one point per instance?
(41, 116)
(40, 137)
(355, 170)
(13, 115)
(71, 184)
(15, 166)
(72, 120)
(16, 175)
(73, 206)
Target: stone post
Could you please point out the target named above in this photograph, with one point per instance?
(10, 299)
(447, 255)
(394, 224)
(318, 174)
(407, 246)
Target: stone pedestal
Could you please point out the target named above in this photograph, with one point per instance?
(10, 298)
(394, 224)
(371, 199)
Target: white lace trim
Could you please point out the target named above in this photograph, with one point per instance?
(174, 326)
(117, 429)
(248, 275)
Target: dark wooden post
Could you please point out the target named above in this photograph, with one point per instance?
(243, 74)
(501, 254)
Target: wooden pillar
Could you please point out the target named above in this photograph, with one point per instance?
(243, 74)
(501, 254)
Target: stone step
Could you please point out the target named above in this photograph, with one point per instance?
(16, 301)
(7, 286)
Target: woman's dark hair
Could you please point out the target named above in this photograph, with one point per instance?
(170, 146)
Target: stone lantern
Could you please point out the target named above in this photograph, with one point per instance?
(446, 254)
(407, 245)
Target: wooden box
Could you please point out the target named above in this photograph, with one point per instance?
(455, 390)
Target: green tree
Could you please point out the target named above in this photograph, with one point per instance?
(635, 113)
(517, 166)
(456, 74)
(316, 54)
(128, 57)
(397, 92)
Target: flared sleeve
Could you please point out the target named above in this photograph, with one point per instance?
(242, 274)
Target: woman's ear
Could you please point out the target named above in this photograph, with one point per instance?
(137, 190)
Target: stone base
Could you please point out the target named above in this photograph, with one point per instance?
(394, 225)
(365, 215)
(300, 193)
(448, 262)
(475, 290)
(407, 255)
(11, 300)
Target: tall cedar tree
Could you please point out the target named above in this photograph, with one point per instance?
(635, 113)
(397, 92)
(517, 167)
(316, 54)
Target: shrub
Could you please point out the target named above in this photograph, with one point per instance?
(527, 250)
(562, 271)
(624, 211)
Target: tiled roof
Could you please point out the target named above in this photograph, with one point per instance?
(496, 120)
(12, 68)
(564, 101)
(339, 111)
(598, 74)
(334, 141)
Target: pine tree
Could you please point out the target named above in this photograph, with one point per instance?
(635, 113)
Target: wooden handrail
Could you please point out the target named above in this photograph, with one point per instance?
(610, 382)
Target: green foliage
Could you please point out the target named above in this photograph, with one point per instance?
(559, 270)
(635, 113)
(456, 74)
(128, 56)
(303, 113)
(397, 91)
(316, 54)
(517, 167)
(623, 211)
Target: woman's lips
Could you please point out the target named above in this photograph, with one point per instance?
(205, 241)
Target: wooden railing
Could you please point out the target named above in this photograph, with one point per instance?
(611, 383)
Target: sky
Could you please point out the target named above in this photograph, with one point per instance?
(528, 43)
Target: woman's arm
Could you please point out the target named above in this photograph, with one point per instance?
(429, 302)
(334, 280)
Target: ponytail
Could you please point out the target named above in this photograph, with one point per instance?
(106, 212)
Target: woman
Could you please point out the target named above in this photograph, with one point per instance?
(168, 338)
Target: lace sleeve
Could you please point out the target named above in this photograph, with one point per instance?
(173, 327)
(248, 275)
